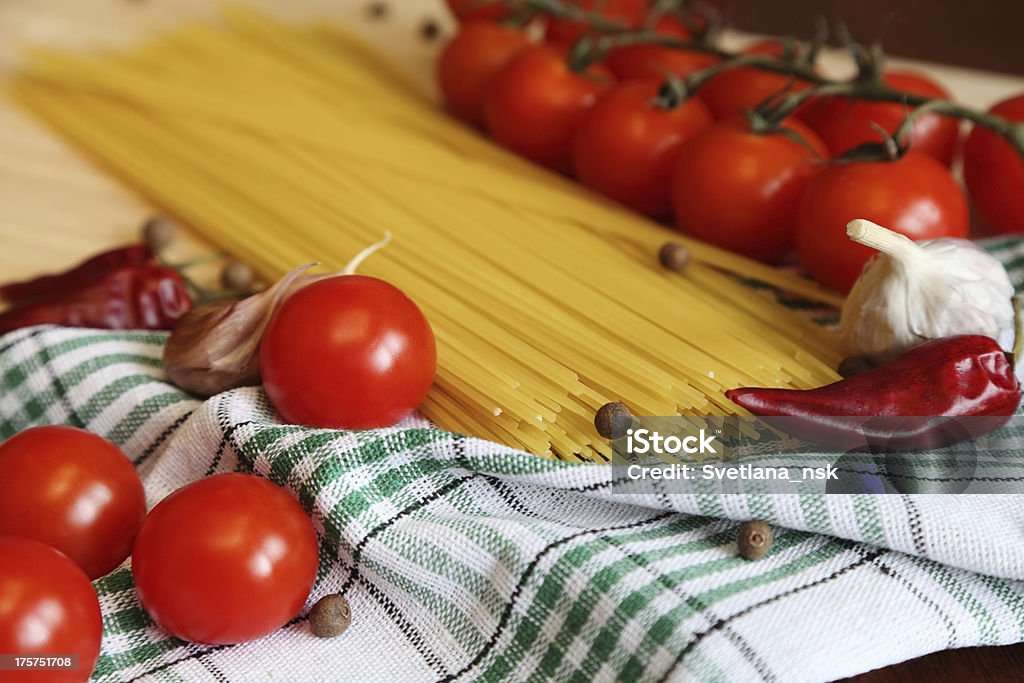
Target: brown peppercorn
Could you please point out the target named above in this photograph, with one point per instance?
(854, 365)
(674, 256)
(158, 232)
(755, 539)
(330, 616)
(612, 420)
(236, 276)
(430, 29)
(377, 10)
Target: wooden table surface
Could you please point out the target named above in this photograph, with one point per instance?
(57, 207)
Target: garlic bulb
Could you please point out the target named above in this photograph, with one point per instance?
(915, 291)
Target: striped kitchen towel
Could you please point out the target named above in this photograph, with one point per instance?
(464, 560)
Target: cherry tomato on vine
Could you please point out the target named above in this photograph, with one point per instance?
(914, 195)
(734, 90)
(348, 352)
(994, 171)
(47, 607)
(74, 491)
(628, 13)
(646, 61)
(226, 559)
(844, 123)
(470, 62)
(627, 145)
(536, 102)
(739, 189)
(477, 10)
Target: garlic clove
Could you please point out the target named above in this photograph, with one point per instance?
(215, 347)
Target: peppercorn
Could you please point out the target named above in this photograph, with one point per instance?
(377, 10)
(755, 539)
(612, 420)
(236, 276)
(330, 616)
(854, 365)
(158, 232)
(674, 256)
(430, 29)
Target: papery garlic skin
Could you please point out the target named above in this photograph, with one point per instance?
(913, 292)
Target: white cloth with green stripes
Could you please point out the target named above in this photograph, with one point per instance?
(465, 560)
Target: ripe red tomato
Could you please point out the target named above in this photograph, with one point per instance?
(739, 189)
(536, 103)
(844, 124)
(629, 13)
(471, 60)
(915, 195)
(47, 607)
(348, 352)
(226, 559)
(655, 61)
(477, 10)
(627, 145)
(645, 62)
(74, 491)
(734, 90)
(994, 172)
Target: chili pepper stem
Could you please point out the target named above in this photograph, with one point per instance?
(872, 235)
(1018, 329)
(365, 254)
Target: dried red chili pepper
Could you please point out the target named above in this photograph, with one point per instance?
(138, 297)
(82, 275)
(912, 402)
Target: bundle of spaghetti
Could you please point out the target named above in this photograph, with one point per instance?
(289, 144)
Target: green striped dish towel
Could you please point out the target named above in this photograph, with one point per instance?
(464, 560)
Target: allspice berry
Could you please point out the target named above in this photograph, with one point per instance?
(674, 256)
(237, 276)
(158, 232)
(330, 616)
(854, 365)
(377, 10)
(612, 420)
(430, 29)
(755, 539)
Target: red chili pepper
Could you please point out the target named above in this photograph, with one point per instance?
(83, 274)
(911, 402)
(139, 297)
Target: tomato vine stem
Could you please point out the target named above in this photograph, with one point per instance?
(799, 65)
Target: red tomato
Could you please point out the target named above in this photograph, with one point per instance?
(769, 48)
(844, 124)
(655, 61)
(476, 10)
(994, 171)
(739, 190)
(471, 60)
(74, 491)
(629, 13)
(348, 352)
(627, 145)
(915, 195)
(227, 559)
(644, 62)
(47, 607)
(734, 90)
(536, 103)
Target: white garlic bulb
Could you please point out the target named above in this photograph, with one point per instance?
(915, 291)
